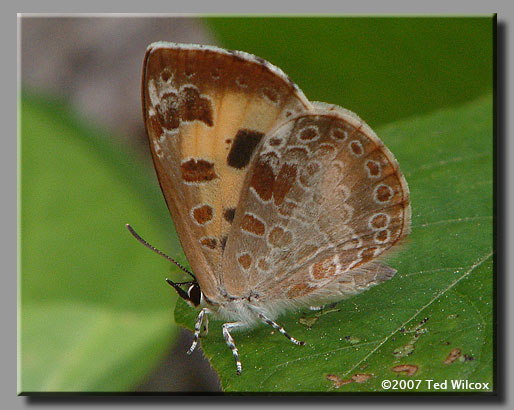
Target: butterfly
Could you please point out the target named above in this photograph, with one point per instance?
(279, 203)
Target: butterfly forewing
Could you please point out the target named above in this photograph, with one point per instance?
(324, 198)
(206, 111)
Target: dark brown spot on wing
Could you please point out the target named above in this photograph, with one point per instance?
(356, 148)
(285, 180)
(168, 112)
(223, 243)
(308, 133)
(209, 242)
(271, 94)
(245, 260)
(242, 148)
(373, 168)
(195, 107)
(252, 224)
(229, 214)
(198, 170)
(263, 178)
(274, 142)
(166, 74)
(203, 214)
(384, 193)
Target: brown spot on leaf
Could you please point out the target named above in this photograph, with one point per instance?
(407, 369)
(454, 355)
(194, 107)
(243, 148)
(361, 377)
(198, 170)
(203, 214)
(356, 378)
(229, 214)
(252, 224)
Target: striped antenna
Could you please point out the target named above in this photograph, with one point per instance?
(157, 251)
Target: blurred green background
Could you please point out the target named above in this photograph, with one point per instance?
(95, 313)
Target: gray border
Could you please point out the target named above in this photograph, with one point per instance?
(505, 148)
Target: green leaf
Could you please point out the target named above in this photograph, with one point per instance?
(384, 69)
(441, 299)
(95, 310)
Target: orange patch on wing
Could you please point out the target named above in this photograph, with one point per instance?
(323, 269)
(300, 289)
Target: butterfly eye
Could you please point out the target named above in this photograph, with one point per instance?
(195, 294)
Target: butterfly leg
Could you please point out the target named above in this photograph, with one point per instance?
(321, 307)
(198, 326)
(280, 329)
(230, 342)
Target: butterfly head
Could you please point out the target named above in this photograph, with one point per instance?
(193, 296)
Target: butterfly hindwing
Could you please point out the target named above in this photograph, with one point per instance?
(206, 111)
(323, 199)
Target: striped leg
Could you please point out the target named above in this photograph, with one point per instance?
(230, 342)
(198, 326)
(280, 329)
(321, 307)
